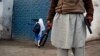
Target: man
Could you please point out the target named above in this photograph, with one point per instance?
(68, 28)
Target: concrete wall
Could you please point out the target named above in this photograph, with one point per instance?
(1, 7)
(1, 11)
(7, 18)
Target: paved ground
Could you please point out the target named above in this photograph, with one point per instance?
(93, 48)
(27, 48)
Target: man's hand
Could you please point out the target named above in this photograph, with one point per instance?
(90, 19)
(49, 25)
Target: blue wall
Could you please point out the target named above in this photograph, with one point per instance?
(23, 13)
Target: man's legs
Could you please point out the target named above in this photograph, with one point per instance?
(62, 52)
(80, 51)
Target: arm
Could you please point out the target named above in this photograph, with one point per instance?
(89, 7)
(89, 10)
(52, 10)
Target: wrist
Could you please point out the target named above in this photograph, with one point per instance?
(89, 15)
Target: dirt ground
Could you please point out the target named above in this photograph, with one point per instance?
(27, 48)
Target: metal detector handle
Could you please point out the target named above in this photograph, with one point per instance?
(88, 25)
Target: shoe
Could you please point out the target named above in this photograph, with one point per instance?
(38, 43)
